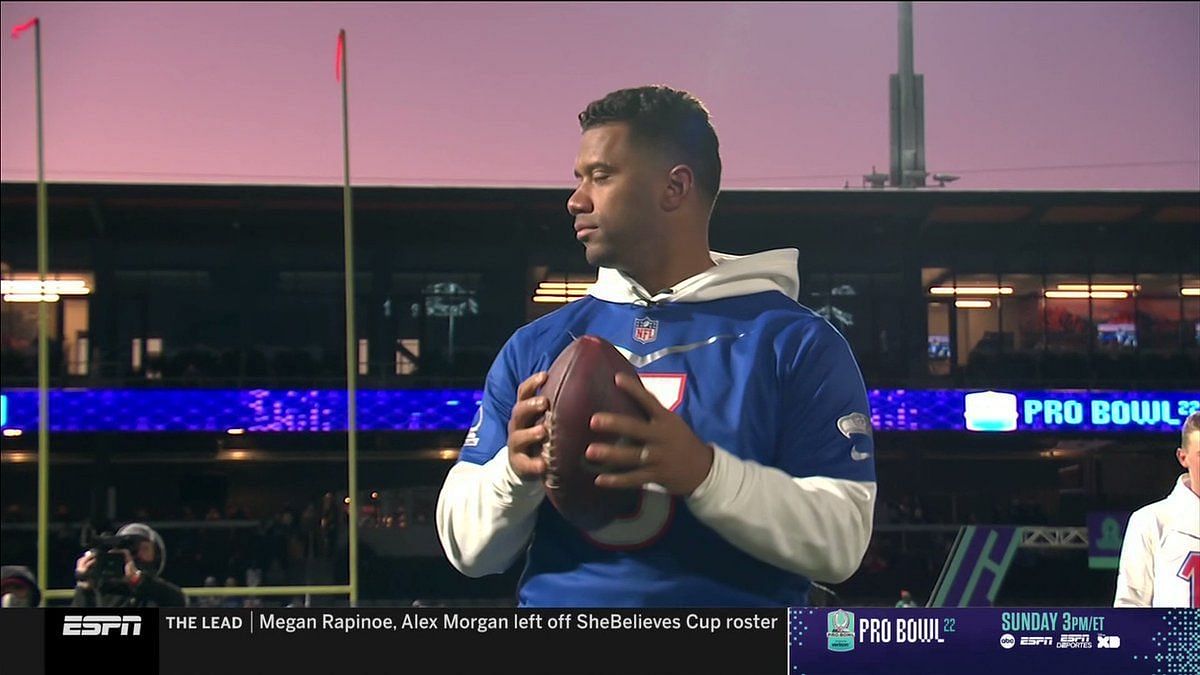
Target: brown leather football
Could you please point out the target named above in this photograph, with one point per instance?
(580, 383)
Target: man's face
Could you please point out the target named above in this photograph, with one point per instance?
(1189, 457)
(616, 204)
(144, 553)
(16, 594)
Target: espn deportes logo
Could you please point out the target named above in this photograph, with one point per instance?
(1074, 641)
(101, 624)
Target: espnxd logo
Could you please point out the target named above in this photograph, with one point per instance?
(101, 624)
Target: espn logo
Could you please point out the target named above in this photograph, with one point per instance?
(101, 624)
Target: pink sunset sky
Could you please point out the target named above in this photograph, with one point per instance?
(1020, 96)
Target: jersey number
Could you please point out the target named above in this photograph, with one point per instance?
(1189, 571)
(655, 508)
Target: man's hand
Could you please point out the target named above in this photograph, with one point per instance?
(82, 567)
(525, 435)
(85, 563)
(133, 575)
(663, 450)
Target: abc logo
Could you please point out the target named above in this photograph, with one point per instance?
(1007, 641)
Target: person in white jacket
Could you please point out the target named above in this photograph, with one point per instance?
(1160, 557)
(756, 467)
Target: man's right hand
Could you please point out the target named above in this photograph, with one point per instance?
(83, 566)
(525, 435)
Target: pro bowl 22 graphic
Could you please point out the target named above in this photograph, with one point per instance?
(844, 630)
(983, 640)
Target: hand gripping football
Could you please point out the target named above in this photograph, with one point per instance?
(580, 383)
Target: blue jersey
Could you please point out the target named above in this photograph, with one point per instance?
(757, 375)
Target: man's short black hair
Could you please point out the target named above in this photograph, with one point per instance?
(671, 119)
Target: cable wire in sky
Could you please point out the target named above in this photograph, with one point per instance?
(547, 182)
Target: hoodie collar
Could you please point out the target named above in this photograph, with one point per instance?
(731, 275)
(1184, 501)
(1183, 491)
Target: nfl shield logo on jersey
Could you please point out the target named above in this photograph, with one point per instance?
(645, 330)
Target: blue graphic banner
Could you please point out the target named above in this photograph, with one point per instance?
(274, 410)
(1016, 410)
(993, 640)
(252, 410)
(796, 641)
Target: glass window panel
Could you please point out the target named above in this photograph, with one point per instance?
(938, 331)
(1191, 312)
(1113, 313)
(1113, 298)
(849, 310)
(1068, 321)
(888, 307)
(1158, 314)
(935, 276)
(815, 292)
(1022, 314)
(978, 318)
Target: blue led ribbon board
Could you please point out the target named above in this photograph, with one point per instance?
(264, 410)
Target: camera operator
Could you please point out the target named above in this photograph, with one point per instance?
(124, 571)
(20, 588)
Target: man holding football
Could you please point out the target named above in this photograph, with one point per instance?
(754, 457)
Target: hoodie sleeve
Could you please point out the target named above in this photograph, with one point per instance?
(811, 512)
(1135, 572)
(485, 512)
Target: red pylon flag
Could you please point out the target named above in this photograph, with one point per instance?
(341, 51)
(24, 27)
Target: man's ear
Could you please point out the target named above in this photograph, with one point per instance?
(681, 181)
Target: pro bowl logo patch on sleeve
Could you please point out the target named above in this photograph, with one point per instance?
(645, 330)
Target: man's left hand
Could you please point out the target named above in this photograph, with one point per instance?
(661, 450)
(133, 575)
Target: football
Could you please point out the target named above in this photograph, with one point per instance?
(580, 383)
